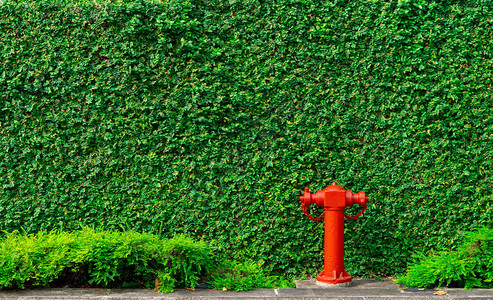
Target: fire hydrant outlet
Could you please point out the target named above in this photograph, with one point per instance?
(358, 198)
(333, 199)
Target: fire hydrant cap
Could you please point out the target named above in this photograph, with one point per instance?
(333, 187)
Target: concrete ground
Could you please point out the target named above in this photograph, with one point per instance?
(360, 289)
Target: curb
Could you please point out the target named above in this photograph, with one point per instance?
(361, 289)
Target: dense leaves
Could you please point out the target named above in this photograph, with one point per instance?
(468, 266)
(210, 117)
(90, 258)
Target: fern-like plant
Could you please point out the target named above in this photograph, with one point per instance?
(470, 265)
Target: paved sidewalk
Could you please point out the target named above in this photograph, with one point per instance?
(359, 290)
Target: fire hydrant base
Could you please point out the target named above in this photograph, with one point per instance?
(329, 285)
(344, 279)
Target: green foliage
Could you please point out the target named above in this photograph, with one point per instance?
(102, 258)
(209, 118)
(185, 263)
(245, 276)
(114, 259)
(470, 265)
(36, 258)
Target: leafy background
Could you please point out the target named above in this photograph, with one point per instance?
(210, 117)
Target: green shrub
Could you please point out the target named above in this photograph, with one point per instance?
(245, 276)
(470, 265)
(185, 263)
(37, 259)
(91, 258)
(214, 115)
(114, 258)
(101, 258)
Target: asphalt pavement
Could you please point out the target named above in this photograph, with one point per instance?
(359, 289)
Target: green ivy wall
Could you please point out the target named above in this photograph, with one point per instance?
(210, 117)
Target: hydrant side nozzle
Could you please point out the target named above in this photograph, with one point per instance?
(306, 198)
(358, 198)
(361, 198)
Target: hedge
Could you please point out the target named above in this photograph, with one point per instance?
(90, 258)
(210, 117)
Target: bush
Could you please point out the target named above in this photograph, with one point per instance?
(185, 263)
(36, 259)
(245, 276)
(101, 258)
(90, 258)
(214, 115)
(470, 265)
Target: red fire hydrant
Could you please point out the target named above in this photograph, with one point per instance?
(333, 199)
